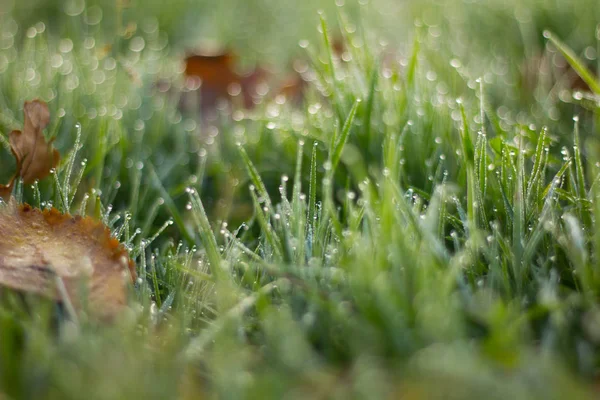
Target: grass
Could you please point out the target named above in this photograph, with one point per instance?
(423, 226)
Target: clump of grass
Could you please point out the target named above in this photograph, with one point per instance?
(395, 236)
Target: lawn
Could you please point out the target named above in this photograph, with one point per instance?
(418, 222)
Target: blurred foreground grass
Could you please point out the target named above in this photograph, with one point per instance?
(423, 226)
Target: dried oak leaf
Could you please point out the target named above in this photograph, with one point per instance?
(39, 249)
(34, 156)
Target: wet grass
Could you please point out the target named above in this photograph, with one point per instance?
(424, 225)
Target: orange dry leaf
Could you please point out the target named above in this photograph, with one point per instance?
(219, 78)
(215, 70)
(35, 157)
(41, 249)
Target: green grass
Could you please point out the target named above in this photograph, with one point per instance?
(423, 226)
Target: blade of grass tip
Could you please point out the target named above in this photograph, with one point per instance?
(203, 276)
(519, 219)
(339, 146)
(77, 180)
(581, 193)
(201, 165)
(152, 212)
(558, 176)
(18, 190)
(481, 105)
(334, 139)
(537, 170)
(572, 191)
(37, 196)
(575, 62)
(480, 159)
(331, 210)
(434, 212)
(576, 249)
(334, 86)
(170, 204)
(83, 205)
(155, 283)
(469, 160)
(312, 190)
(347, 35)
(285, 235)
(414, 58)
(539, 230)
(423, 235)
(266, 227)
(369, 106)
(480, 172)
(256, 179)
(329, 205)
(67, 189)
(143, 272)
(207, 236)
(166, 306)
(98, 208)
(443, 214)
(61, 197)
(134, 192)
(505, 189)
(327, 47)
(298, 176)
(159, 231)
(299, 217)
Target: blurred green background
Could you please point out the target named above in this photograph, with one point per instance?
(499, 40)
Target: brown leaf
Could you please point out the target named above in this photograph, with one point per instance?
(35, 157)
(219, 77)
(39, 248)
(215, 70)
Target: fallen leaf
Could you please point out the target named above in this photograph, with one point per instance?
(217, 72)
(39, 249)
(34, 156)
(216, 69)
